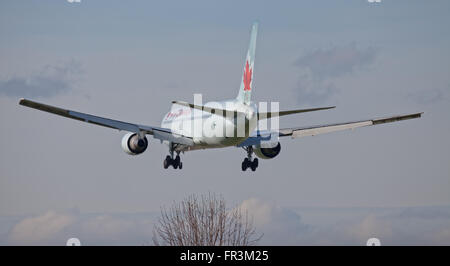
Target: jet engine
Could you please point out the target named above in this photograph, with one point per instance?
(133, 145)
(267, 150)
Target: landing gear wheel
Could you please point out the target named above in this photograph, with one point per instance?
(248, 162)
(170, 160)
(245, 164)
(177, 162)
(255, 162)
(254, 165)
(167, 162)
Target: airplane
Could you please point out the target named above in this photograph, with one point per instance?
(224, 116)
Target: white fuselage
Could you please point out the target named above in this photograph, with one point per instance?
(212, 130)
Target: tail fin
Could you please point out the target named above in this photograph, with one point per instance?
(245, 89)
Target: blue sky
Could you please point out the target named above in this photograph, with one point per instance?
(129, 60)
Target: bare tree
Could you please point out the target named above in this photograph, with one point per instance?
(204, 221)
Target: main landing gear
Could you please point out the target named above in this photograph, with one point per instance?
(176, 163)
(170, 161)
(248, 163)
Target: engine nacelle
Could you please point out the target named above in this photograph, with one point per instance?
(267, 150)
(132, 145)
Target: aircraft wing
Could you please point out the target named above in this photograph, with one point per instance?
(321, 129)
(265, 135)
(157, 132)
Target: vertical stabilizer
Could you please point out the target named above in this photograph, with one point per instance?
(246, 87)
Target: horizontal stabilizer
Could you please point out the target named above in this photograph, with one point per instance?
(267, 115)
(212, 110)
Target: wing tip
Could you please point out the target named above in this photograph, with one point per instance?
(417, 115)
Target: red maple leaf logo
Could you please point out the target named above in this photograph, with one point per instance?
(247, 77)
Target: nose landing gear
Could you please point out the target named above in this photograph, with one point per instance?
(248, 162)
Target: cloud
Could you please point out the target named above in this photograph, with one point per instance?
(393, 226)
(410, 226)
(337, 61)
(429, 96)
(319, 68)
(313, 91)
(51, 80)
(279, 226)
(40, 228)
(396, 226)
(55, 228)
